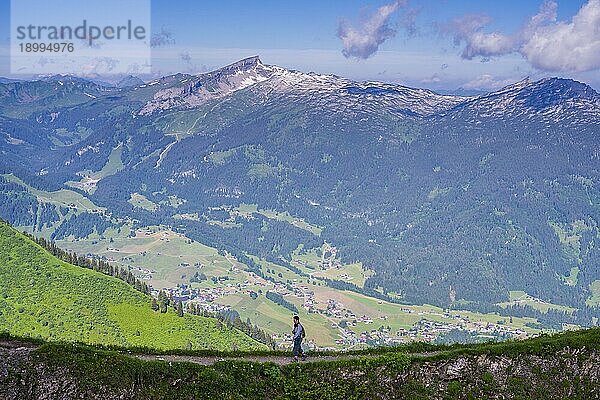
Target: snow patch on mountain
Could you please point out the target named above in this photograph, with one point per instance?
(196, 91)
(269, 82)
(549, 100)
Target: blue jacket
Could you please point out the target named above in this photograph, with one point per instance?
(297, 331)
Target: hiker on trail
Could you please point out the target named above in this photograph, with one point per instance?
(298, 333)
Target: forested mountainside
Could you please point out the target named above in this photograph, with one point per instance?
(452, 201)
(44, 297)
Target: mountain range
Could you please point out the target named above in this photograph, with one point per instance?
(450, 200)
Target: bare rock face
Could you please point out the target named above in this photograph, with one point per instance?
(194, 91)
(558, 376)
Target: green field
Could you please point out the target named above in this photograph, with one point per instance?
(41, 296)
(276, 319)
(571, 280)
(140, 201)
(570, 236)
(311, 263)
(173, 259)
(71, 201)
(352, 273)
(63, 197)
(519, 297)
(89, 179)
(249, 209)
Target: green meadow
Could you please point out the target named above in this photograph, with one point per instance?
(43, 297)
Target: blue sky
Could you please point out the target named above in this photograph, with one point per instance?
(306, 36)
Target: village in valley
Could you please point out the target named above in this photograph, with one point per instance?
(335, 319)
(343, 319)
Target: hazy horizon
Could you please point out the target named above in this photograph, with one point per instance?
(433, 44)
(115, 79)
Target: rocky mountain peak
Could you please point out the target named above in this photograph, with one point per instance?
(243, 65)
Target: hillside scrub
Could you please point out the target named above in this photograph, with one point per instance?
(552, 367)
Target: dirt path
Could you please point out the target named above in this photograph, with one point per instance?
(210, 360)
(279, 360)
(15, 345)
(12, 345)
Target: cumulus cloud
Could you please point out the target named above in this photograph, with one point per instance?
(562, 46)
(547, 44)
(364, 41)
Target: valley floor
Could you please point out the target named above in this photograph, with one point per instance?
(334, 318)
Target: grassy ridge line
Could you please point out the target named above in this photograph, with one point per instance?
(588, 338)
(105, 374)
(118, 374)
(44, 297)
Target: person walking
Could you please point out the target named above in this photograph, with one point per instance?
(298, 333)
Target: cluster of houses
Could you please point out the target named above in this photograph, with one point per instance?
(204, 297)
(427, 330)
(337, 315)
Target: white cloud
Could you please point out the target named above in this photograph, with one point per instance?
(561, 46)
(488, 44)
(487, 82)
(469, 29)
(547, 44)
(364, 41)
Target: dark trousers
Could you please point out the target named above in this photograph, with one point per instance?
(298, 347)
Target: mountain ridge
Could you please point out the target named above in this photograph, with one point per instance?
(545, 101)
(423, 189)
(181, 91)
(281, 80)
(413, 102)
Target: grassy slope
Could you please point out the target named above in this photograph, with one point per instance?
(519, 297)
(41, 296)
(541, 368)
(61, 197)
